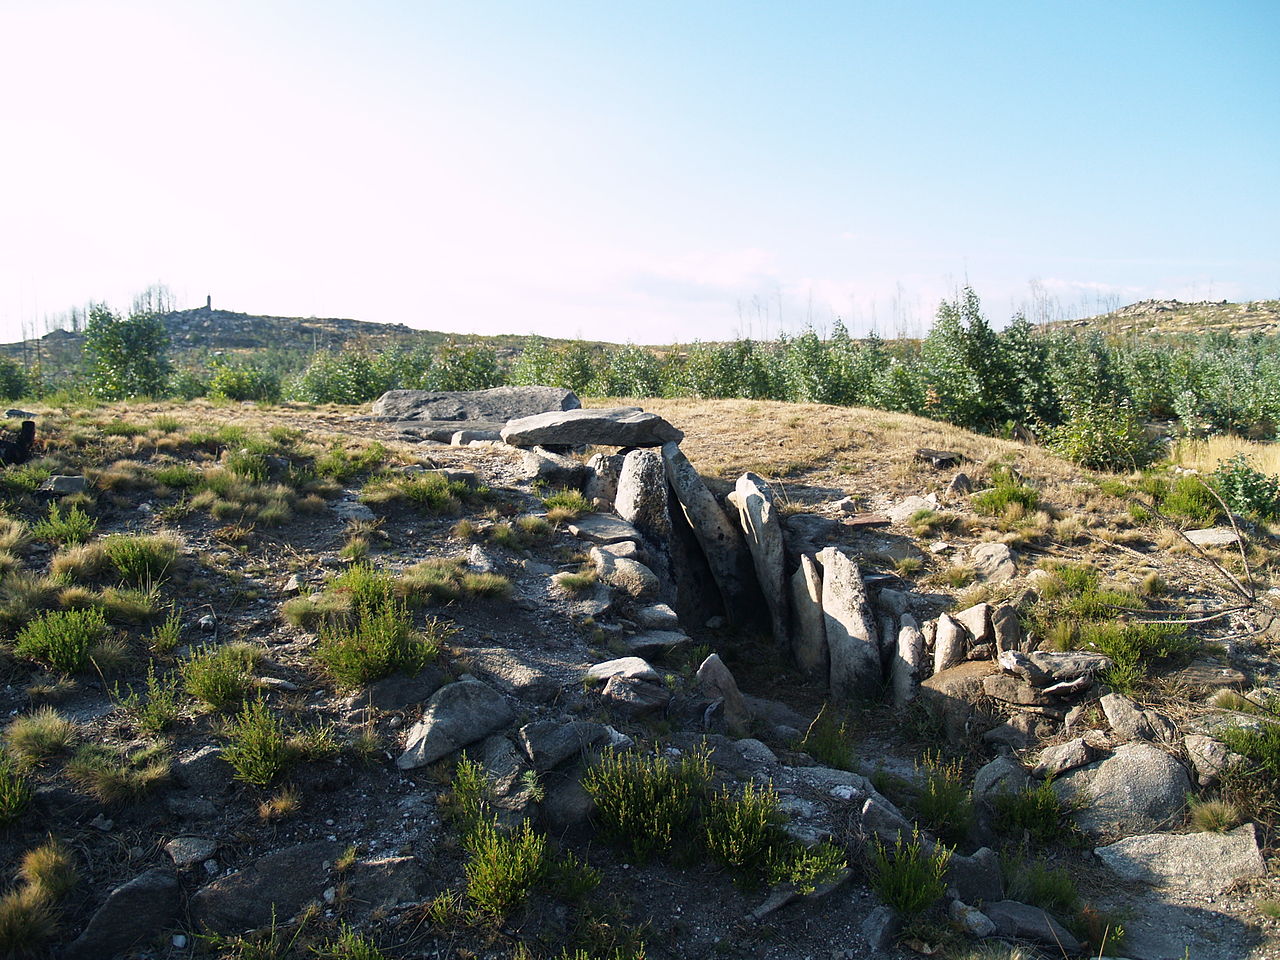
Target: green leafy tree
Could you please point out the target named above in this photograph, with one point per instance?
(126, 358)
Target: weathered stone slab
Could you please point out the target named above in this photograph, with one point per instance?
(602, 528)
(630, 576)
(132, 912)
(1042, 668)
(993, 562)
(950, 643)
(277, 885)
(496, 405)
(852, 643)
(549, 743)
(1062, 757)
(763, 531)
(616, 427)
(718, 536)
(632, 668)
(1023, 922)
(553, 468)
(1213, 537)
(977, 620)
(908, 663)
(809, 632)
(715, 680)
(1205, 862)
(1139, 788)
(1006, 627)
(456, 715)
(1130, 722)
(657, 642)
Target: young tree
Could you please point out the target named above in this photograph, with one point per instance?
(126, 358)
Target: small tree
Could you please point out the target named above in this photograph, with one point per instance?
(126, 358)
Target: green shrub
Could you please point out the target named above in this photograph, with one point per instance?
(741, 831)
(64, 639)
(1260, 746)
(75, 527)
(1104, 437)
(257, 747)
(945, 803)
(220, 676)
(117, 774)
(1035, 810)
(1191, 499)
(341, 464)
(140, 559)
(648, 803)
(155, 710)
(907, 878)
(249, 465)
(349, 945)
(15, 790)
(1007, 491)
(829, 740)
(1135, 647)
(1041, 885)
(502, 868)
(566, 505)
(1246, 489)
(180, 476)
(380, 642)
(166, 637)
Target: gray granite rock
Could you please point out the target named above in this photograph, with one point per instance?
(457, 714)
(616, 427)
(1204, 862)
(496, 405)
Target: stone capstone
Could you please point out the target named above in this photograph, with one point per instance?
(617, 427)
(457, 714)
(496, 405)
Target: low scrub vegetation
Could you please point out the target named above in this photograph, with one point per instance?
(906, 876)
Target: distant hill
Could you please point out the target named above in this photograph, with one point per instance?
(200, 334)
(1169, 317)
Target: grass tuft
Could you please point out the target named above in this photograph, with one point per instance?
(117, 774)
(39, 735)
(74, 527)
(220, 677)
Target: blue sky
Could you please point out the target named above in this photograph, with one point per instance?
(646, 172)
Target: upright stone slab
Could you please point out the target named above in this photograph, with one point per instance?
(642, 501)
(908, 664)
(603, 471)
(718, 536)
(852, 643)
(763, 529)
(950, 643)
(809, 633)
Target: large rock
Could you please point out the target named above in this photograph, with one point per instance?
(718, 536)
(630, 576)
(496, 405)
(553, 469)
(378, 886)
(643, 502)
(1138, 789)
(993, 562)
(602, 528)
(138, 910)
(1130, 722)
(977, 620)
(999, 777)
(1205, 862)
(512, 673)
(716, 681)
(617, 427)
(457, 714)
(1208, 756)
(275, 886)
(852, 643)
(549, 743)
(953, 694)
(809, 631)
(950, 644)
(1006, 627)
(603, 470)
(632, 668)
(1042, 668)
(1022, 922)
(908, 663)
(762, 527)
(1062, 757)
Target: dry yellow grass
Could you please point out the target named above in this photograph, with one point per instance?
(1205, 455)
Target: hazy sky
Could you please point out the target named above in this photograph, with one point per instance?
(635, 171)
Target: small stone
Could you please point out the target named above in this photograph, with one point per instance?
(292, 585)
(179, 941)
(1063, 757)
(208, 623)
(632, 668)
(993, 562)
(62, 485)
(1213, 537)
(185, 851)
(102, 823)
